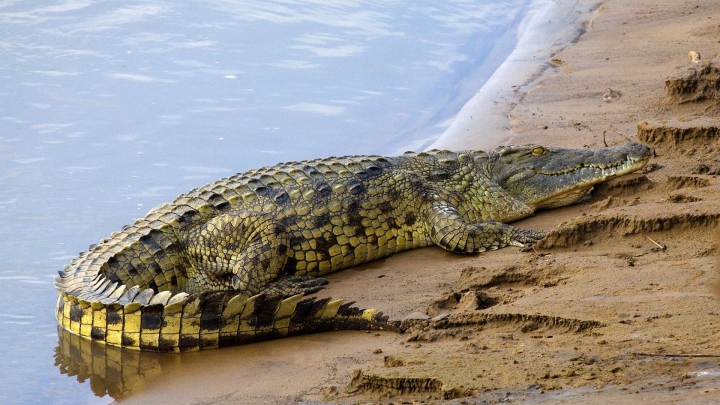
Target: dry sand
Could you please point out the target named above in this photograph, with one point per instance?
(618, 305)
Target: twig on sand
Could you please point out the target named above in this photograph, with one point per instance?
(617, 132)
(662, 247)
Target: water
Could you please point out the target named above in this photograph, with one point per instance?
(109, 108)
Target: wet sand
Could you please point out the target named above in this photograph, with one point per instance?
(618, 305)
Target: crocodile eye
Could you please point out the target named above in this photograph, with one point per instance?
(539, 151)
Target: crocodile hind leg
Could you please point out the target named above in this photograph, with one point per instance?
(450, 231)
(244, 251)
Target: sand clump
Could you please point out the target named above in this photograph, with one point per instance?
(698, 137)
(694, 83)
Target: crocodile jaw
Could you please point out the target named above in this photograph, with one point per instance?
(561, 177)
(581, 181)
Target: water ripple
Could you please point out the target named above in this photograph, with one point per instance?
(317, 108)
(140, 78)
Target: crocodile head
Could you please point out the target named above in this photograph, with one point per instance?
(544, 178)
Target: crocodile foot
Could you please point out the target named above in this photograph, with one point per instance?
(521, 237)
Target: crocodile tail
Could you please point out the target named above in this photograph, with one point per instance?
(208, 320)
(146, 254)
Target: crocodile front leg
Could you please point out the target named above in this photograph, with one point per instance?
(245, 251)
(449, 230)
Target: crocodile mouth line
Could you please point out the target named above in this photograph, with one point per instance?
(600, 171)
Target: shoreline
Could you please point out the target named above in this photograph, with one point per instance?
(653, 308)
(545, 30)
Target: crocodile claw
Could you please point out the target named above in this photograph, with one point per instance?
(296, 285)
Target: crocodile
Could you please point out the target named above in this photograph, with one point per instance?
(233, 261)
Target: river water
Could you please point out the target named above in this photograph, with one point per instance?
(108, 108)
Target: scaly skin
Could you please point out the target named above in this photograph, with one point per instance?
(229, 262)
